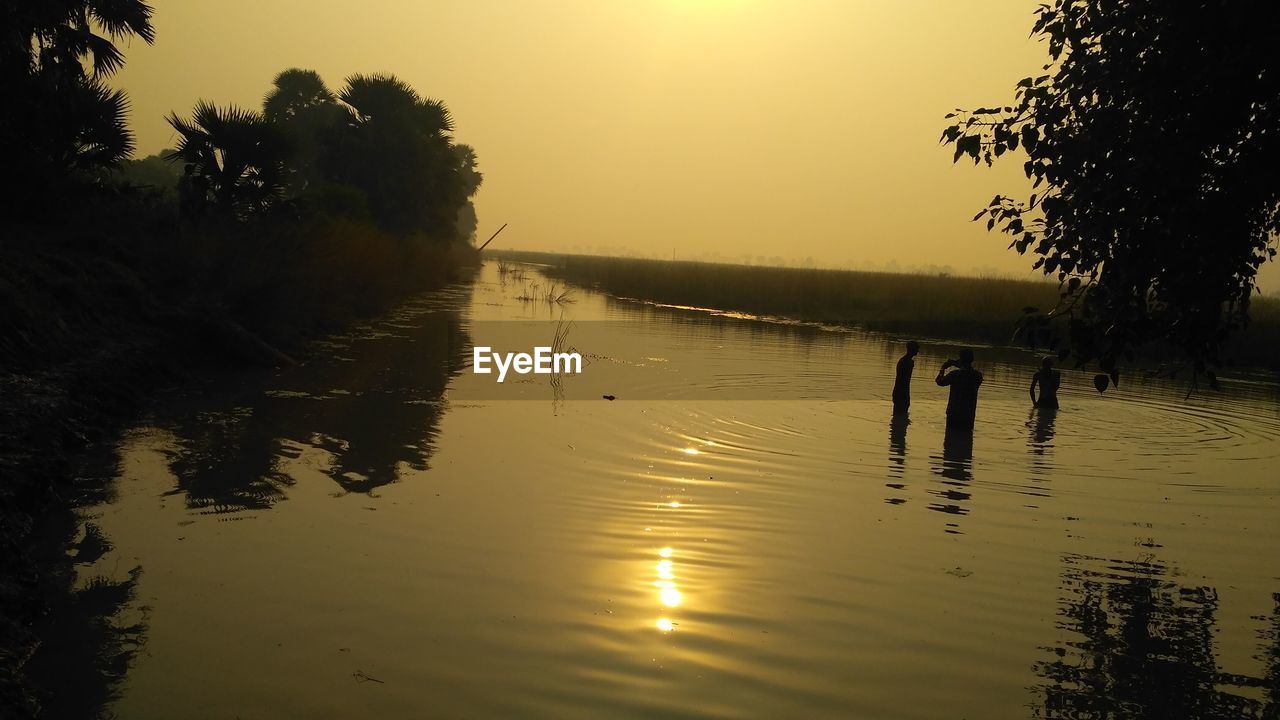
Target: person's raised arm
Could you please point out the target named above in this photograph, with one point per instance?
(943, 378)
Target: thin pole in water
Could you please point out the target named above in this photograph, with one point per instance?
(491, 237)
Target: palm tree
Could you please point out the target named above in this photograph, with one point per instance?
(294, 94)
(396, 147)
(305, 110)
(465, 156)
(235, 158)
(64, 32)
(469, 179)
(68, 116)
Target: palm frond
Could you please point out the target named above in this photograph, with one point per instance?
(107, 58)
(242, 156)
(379, 95)
(437, 117)
(104, 137)
(121, 18)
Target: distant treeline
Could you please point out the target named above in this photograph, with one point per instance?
(945, 307)
(375, 152)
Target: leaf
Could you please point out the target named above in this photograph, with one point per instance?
(1100, 382)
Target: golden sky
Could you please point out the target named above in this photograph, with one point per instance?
(791, 128)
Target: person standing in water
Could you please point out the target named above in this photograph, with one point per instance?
(962, 404)
(902, 384)
(1048, 379)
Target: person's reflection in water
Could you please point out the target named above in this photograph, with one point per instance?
(956, 468)
(1040, 441)
(957, 454)
(1040, 421)
(897, 454)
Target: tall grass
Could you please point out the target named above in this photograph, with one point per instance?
(976, 308)
(968, 309)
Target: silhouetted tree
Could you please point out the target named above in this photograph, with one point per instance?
(377, 149)
(294, 93)
(59, 116)
(1152, 141)
(396, 147)
(471, 179)
(156, 172)
(304, 108)
(235, 158)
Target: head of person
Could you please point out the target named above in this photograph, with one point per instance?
(1047, 363)
(913, 347)
(966, 357)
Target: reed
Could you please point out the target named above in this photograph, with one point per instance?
(558, 294)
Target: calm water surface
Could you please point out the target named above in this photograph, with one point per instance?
(745, 532)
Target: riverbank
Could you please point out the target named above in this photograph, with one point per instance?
(117, 299)
(942, 307)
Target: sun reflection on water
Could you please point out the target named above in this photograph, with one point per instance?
(668, 593)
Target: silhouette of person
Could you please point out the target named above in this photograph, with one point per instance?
(1048, 379)
(962, 403)
(902, 383)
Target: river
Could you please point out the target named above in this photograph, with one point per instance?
(743, 532)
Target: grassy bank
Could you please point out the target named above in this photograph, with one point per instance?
(117, 297)
(955, 308)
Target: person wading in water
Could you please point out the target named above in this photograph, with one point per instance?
(902, 384)
(962, 405)
(1048, 379)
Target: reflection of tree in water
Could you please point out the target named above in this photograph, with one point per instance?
(373, 410)
(92, 629)
(1144, 649)
(90, 650)
(226, 462)
(1269, 655)
(390, 417)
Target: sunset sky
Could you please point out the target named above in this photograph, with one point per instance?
(788, 128)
